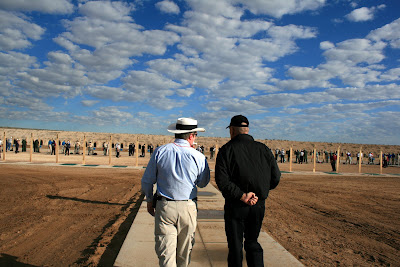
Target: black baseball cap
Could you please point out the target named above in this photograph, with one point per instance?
(239, 121)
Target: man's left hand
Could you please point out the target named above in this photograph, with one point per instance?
(150, 208)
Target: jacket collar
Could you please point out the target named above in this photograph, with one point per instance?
(243, 137)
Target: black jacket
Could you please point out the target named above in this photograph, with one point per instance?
(244, 165)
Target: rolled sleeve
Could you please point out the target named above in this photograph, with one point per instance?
(149, 178)
(204, 177)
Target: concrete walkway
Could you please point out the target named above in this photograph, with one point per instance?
(210, 248)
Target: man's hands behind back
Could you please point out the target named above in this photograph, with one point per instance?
(249, 198)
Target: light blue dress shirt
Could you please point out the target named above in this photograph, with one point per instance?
(177, 169)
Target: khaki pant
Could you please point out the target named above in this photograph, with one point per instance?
(175, 225)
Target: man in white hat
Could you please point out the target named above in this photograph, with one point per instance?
(177, 169)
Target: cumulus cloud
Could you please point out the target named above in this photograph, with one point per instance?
(89, 103)
(59, 77)
(278, 8)
(326, 45)
(113, 39)
(293, 99)
(357, 51)
(107, 11)
(185, 92)
(221, 53)
(111, 93)
(390, 33)
(363, 13)
(217, 55)
(45, 6)
(16, 31)
(169, 7)
(103, 116)
(370, 92)
(13, 62)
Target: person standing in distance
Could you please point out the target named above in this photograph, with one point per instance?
(177, 169)
(245, 171)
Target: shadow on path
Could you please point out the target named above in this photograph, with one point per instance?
(84, 200)
(114, 246)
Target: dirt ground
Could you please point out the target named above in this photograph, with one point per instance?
(79, 216)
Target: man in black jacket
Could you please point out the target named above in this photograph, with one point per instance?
(245, 171)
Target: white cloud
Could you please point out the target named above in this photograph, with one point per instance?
(111, 115)
(112, 93)
(59, 77)
(354, 61)
(185, 92)
(222, 54)
(107, 11)
(291, 110)
(352, 108)
(13, 62)
(370, 92)
(169, 7)
(147, 83)
(16, 30)
(89, 103)
(105, 116)
(112, 37)
(45, 6)
(326, 45)
(218, 57)
(287, 99)
(390, 32)
(363, 13)
(391, 75)
(215, 8)
(357, 51)
(279, 8)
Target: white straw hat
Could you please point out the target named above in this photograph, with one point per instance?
(185, 125)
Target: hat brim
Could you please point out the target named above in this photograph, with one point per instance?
(172, 129)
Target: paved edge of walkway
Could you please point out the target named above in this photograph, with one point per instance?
(210, 247)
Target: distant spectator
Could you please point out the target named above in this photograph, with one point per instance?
(333, 161)
(67, 147)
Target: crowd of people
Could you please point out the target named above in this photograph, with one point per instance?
(302, 156)
(282, 155)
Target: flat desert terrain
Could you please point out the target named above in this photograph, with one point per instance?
(75, 215)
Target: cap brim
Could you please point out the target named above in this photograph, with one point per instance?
(172, 129)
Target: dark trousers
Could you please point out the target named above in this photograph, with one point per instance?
(245, 221)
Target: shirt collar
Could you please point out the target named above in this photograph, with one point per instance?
(182, 142)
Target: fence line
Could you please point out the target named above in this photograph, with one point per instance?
(213, 154)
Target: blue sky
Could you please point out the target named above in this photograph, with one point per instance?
(303, 70)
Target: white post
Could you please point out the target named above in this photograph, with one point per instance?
(57, 149)
(109, 150)
(31, 148)
(315, 159)
(84, 150)
(4, 146)
(338, 160)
